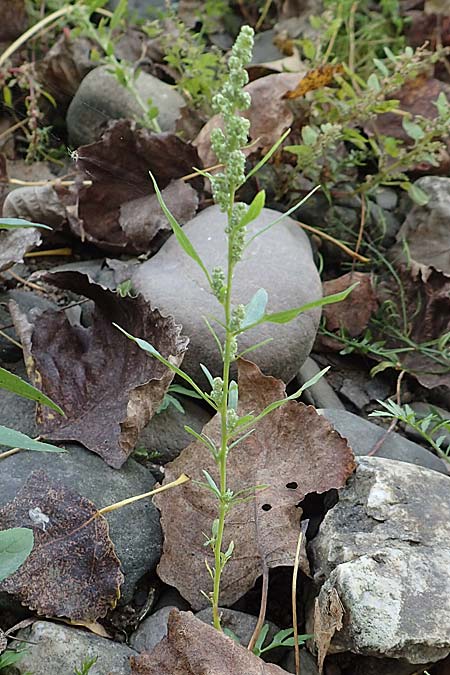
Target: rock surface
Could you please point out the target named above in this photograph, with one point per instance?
(279, 261)
(385, 549)
(101, 98)
(58, 650)
(165, 433)
(151, 630)
(363, 436)
(134, 530)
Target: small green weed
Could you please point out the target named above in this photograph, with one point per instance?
(86, 666)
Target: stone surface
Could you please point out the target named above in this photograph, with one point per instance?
(308, 665)
(362, 436)
(58, 650)
(100, 98)
(385, 549)
(165, 432)
(280, 261)
(134, 530)
(151, 630)
(243, 625)
(321, 394)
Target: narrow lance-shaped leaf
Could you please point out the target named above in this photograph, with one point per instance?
(254, 209)
(16, 544)
(14, 383)
(14, 223)
(289, 314)
(16, 439)
(181, 236)
(233, 395)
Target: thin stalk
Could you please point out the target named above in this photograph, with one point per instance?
(222, 459)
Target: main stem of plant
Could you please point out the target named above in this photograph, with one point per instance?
(222, 457)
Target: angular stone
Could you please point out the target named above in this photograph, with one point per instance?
(100, 98)
(151, 631)
(385, 549)
(363, 435)
(56, 649)
(280, 260)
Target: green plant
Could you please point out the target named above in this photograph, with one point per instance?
(9, 658)
(428, 426)
(284, 638)
(223, 396)
(86, 666)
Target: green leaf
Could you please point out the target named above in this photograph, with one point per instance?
(413, 130)
(15, 439)
(255, 309)
(179, 389)
(290, 314)
(14, 223)
(308, 48)
(10, 657)
(380, 367)
(309, 135)
(261, 639)
(182, 239)
(211, 483)
(416, 193)
(442, 105)
(233, 395)
(16, 545)
(268, 155)
(374, 83)
(254, 209)
(14, 383)
(381, 67)
(208, 375)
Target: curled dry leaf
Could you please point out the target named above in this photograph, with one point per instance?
(15, 243)
(293, 450)
(108, 387)
(119, 212)
(328, 615)
(72, 570)
(269, 115)
(352, 314)
(192, 647)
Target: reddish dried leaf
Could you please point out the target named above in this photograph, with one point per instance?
(118, 166)
(72, 570)
(352, 314)
(293, 450)
(108, 387)
(269, 115)
(64, 66)
(192, 647)
(14, 19)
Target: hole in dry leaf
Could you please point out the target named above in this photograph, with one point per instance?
(314, 507)
(292, 486)
(266, 507)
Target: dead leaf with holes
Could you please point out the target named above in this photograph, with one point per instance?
(119, 212)
(351, 315)
(293, 450)
(73, 570)
(192, 647)
(314, 79)
(107, 386)
(328, 613)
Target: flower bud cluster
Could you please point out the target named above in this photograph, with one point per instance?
(217, 390)
(218, 283)
(227, 143)
(237, 318)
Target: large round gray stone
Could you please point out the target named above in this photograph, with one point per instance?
(385, 549)
(280, 260)
(100, 98)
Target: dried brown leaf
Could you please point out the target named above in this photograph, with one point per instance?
(15, 243)
(13, 19)
(72, 570)
(314, 79)
(118, 166)
(108, 387)
(327, 620)
(352, 314)
(192, 647)
(293, 450)
(269, 115)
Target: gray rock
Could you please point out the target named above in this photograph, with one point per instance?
(363, 435)
(243, 625)
(308, 665)
(170, 596)
(165, 432)
(280, 261)
(58, 650)
(151, 630)
(142, 7)
(387, 198)
(321, 394)
(134, 530)
(385, 549)
(100, 98)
